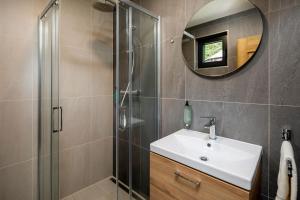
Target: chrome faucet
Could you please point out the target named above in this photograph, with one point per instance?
(211, 125)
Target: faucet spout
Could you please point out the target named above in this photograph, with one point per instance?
(211, 125)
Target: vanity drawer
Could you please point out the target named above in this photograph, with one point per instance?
(171, 180)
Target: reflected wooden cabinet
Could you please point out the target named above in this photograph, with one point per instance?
(246, 47)
(170, 180)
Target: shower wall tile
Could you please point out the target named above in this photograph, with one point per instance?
(16, 132)
(148, 74)
(77, 115)
(16, 182)
(146, 24)
(73, 167)
(145, 167)
(283, 117)
(285, 58)
(102, 117)
(136, 167)
(18, 79)
(100, 159)
(18, 20)
(148, 129)
(123, 164)
(102, 52)
(16, 68)
(76, 73)
(76, 28)
(102, 70)
(173, 16)
(102, 29)
(173, 70)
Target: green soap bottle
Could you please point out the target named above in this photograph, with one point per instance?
(187, 118)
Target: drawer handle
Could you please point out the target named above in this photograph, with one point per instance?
(187, 178)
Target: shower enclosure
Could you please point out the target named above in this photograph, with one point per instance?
(134, 97)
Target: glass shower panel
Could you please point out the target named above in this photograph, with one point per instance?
(145, 98)
(48, 107)
(138, 84)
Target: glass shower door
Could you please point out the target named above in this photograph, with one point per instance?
(49, 109)
(137, 89)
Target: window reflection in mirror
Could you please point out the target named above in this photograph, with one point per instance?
(222, 37)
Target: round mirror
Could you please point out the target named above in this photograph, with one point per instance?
(222, 37)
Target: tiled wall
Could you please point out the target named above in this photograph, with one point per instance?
(251, 105)
(18, 98)
(86, 91)
(86, 85)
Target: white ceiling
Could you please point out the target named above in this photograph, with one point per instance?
(218, 9)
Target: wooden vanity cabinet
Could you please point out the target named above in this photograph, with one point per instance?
(170, 180)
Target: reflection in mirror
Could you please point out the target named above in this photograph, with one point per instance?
(222, 37)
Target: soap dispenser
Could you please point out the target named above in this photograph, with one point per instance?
(187, 118)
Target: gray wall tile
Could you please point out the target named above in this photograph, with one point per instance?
(284, 58)
(73, 169)
(173, 70)
(16, 132)
(206, 109)
(249, 123)
(172, 116)
(100, 159)
(172, 13)
(276, 5)
(16, 182)
(77, 122)
(102, 117)
(149, 127)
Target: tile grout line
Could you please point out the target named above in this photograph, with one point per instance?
(16, 100)
(16, 163)
(90, 96)
(87, 143)
(231, 102)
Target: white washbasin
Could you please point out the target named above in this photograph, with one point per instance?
(230, 160)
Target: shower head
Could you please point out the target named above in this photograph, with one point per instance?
(104, 5)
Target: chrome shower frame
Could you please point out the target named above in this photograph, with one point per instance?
(54, 168)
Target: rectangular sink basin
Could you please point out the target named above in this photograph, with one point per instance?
(229, 160)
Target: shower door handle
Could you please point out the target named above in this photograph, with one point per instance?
(60, 128)
(61, 119)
